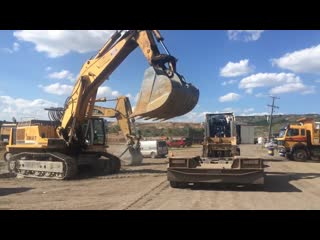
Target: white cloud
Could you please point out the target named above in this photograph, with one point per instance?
(63, 74)
(253, 113)
(247, 110)
(104, 91)
(229, 82)
(244, 112)
(259, 95)
(57, 89)
(22, 109)
(191, 117)
(57, 43)
(230, 97)
(15, 48)
(245, 35)
(229, 109)
(281, 83)
(249, 91)
(303, 61)
(48, 68)
(115, 94)
(129, 95)
(293, 87)
(232, 69)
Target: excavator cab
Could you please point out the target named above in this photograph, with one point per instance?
(164, 96)
(94, 131)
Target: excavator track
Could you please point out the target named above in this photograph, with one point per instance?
(43, 165)
(114, 164)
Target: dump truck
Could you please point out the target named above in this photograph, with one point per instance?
(220, 161)
(300, 142)
(74, 136)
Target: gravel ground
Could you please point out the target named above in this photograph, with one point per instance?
(288, 185)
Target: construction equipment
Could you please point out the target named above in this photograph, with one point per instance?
(300, 142)
(220, 161)
(220, 135)
(132, 154)
(54, 149)
(5, 129)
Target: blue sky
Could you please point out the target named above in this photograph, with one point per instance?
(235, 70)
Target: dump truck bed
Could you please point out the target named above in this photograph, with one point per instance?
(237, 170)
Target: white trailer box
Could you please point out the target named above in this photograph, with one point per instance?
(247, 134)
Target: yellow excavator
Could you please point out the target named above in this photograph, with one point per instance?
(131, 155)
(54, 149)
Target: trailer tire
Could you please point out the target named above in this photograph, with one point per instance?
(174, 184)
(300, 154)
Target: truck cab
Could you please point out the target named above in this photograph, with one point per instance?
(299, 142)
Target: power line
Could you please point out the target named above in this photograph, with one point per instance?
(271, 114)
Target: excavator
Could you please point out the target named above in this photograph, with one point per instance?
(131, 155)
(74, 136)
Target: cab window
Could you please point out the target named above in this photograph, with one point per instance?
(293, 132)
(303, 132)
(99, 133)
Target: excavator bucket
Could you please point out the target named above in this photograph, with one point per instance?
(163, 98)
(132, 157)
(129, 155)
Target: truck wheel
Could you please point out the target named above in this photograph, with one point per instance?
(7, 156)
(153, 155)
(289, 157)
(178, 184)
(300, 155)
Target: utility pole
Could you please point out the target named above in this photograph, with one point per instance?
(270, 118)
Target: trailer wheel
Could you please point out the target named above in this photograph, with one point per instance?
(174, 184)
(300, 155)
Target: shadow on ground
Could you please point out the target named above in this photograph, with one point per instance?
(8, 191)
(87, 172)
(274, 182)
(156, 163)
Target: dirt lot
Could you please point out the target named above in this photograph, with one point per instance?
(288, 185)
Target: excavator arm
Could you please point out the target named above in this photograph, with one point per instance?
(164, 93)
(122, 112)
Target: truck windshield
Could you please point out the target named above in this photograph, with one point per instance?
(293, 132)
(282, 132)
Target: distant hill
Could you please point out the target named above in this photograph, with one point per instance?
(184, 128)
(261, 123)
(278, 122)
